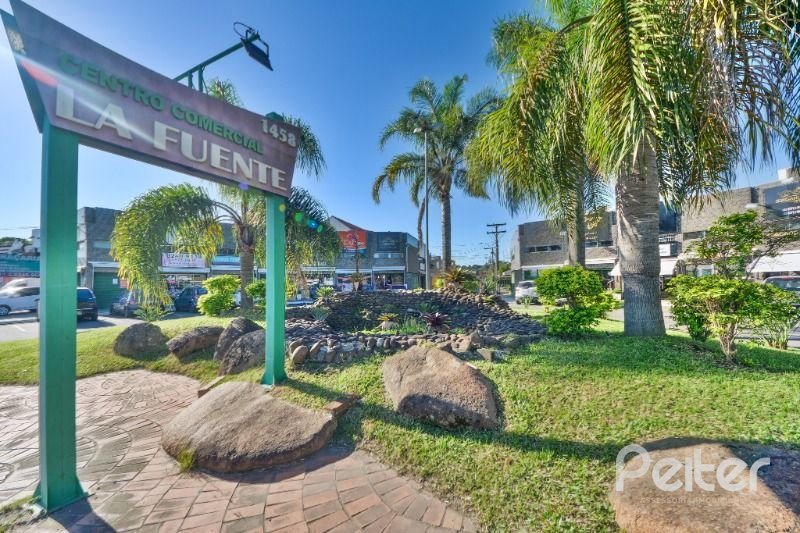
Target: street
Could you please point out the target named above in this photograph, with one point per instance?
(19, 326)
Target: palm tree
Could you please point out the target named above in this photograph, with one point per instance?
(450, 124)
(677, 94)
(193, 218)
(554, 176)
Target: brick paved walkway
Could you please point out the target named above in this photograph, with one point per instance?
(135, 485)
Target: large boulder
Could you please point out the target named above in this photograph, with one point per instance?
(430, 384)
(238, 426)
(238, 326)
(142, 338)
(643, 505)
(195, 339)
(246, 352)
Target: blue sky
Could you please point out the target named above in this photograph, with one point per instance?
(345, 67)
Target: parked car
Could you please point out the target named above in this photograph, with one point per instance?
(19, 299)
(19, 283)
(86, 306)
(787, 283)
(187, 299)
(127, 304)
(526, 289)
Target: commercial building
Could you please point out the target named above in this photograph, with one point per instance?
(538, 245)
(386, 258)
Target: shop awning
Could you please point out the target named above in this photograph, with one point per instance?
(667, 267)
(783, 262)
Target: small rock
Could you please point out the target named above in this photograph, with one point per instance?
(315, 348)
(486, 353)
(195, 339)
(238, 326)
(299, 354)
(246, 352)
(141, 338)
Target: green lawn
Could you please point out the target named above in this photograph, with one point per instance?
(568, 408)
(19, 359)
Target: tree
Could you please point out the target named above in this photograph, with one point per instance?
(677, 94)
(554, 176)
(193, 219)
(735, 243)
(450, 124)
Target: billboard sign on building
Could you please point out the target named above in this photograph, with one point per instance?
(18, 266)
(391, 241)
(120, 106)
(353, 240)
(173, 260)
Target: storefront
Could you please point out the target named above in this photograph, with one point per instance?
(785, 263)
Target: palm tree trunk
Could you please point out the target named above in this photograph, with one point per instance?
(640, 265)
(446, 221)
(576, 229)
(246, 275)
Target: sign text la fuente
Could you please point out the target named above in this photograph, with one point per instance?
(120, 106)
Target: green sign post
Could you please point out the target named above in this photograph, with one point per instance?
(82, 93)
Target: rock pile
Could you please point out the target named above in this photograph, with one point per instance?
(489, 315)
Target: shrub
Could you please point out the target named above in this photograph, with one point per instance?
(685, 310)
(582, 291)
(325, 292)
(320, 313)
(387, 317)
(220, 295)
(777, 318)
(437, 322)
(460, 278)
(150, 313)
(257, 291)
(724, 306)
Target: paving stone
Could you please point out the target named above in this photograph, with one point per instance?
(137, 486)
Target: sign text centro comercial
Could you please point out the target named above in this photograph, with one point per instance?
(117, 105)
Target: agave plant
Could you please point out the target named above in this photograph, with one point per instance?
(325, 292)
(456, 277)
(437, 322)
(320, 313)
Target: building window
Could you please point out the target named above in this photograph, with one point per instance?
(388, 255)
(554, 247)
(667, 237)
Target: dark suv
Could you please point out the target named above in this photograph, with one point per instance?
(187, 299)
(87, 304)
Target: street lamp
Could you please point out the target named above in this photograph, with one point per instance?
(248, 39)
(424, 130)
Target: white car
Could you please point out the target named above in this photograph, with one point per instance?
(20, 299)
(526, 290)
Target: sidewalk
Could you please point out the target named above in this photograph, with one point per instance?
(135, 485)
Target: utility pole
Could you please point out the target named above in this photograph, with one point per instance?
(496, 231)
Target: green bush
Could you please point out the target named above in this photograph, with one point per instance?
(685, 310)
(725, 306)
(778, 317)
(151, 313)
(220, 295)
(257, 291)
(582, 291)
(325, 292)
